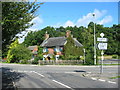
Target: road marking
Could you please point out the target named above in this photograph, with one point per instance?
(61, 84)
(101, 80)
(14, 84)
(112, 82)
(70, 72)
(38, 74)
(93, 78)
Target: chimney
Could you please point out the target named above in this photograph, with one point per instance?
(46, 35)
(68, 33)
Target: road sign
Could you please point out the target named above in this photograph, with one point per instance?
(102, 39)
(102, 46)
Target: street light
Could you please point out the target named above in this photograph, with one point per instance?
(94, 43)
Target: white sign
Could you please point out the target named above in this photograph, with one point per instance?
(102, 39)
(102, 34)
(102, 46)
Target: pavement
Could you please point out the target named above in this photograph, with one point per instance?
(105, 77)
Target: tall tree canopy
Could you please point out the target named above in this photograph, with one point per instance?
(16, 17)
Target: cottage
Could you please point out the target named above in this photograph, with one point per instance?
(34, 50)
(54, 45)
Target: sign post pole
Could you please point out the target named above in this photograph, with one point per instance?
(102, 58)
(102, 46)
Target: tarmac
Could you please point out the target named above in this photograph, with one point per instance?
(104, 77)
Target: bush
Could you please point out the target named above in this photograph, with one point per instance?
(115, 56)
(36, 59)
(19, 53)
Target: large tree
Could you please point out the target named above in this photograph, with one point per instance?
(16, 17)
(71, 51)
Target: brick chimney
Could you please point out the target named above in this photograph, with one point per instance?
(68, 33)
(46, 35)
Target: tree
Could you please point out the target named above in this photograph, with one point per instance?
(16, 17)
(11, 46)
(71, 51)
(19, 53)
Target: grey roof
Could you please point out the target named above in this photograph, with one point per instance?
(58, 41)
(77, 43)
(54, 41)
(32, 47)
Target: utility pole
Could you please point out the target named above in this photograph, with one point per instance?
(94, 42)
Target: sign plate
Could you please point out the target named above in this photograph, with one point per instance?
(102, 46)
(102, 39)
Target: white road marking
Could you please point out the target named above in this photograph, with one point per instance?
(38, 74)
(101, 80)
(13, 84)
(93, 78)
(112, 82)
(61, 84)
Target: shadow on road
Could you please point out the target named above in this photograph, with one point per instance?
(9, 77)
(79, 71)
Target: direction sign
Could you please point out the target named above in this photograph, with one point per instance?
(102, 46)
(102, 39)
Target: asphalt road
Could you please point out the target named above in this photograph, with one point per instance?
(32, 76)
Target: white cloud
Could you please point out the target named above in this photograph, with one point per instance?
(105, 20)
(69, 23)
(37, 22)
(100, 17)
(85, 20)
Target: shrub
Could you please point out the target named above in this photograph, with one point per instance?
(115, 56)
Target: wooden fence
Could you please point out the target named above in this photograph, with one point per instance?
(60, 62)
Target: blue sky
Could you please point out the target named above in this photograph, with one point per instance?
(65, 14)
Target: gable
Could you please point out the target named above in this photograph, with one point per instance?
(58, 41)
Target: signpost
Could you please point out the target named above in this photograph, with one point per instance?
(102, 39)
(102, 46)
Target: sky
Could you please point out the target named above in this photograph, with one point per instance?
(56, 14)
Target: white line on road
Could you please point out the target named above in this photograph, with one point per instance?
(112, 82)
(61, 84)
(39, 74)
(101, 80)
(93, 78)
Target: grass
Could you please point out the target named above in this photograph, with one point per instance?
(115, 77)
(106, 57)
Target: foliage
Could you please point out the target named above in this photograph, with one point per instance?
(84, 35)
(12, 45)
(115, 56)
(70, 50)
(35, 61)
(19, 53)
(16, 17)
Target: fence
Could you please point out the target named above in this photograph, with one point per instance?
(60, 62)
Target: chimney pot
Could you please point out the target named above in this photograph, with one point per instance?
(68, 33)
(46, 35)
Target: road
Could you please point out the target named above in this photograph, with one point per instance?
(33, 76)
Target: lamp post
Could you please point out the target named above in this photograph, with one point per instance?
(94, 43)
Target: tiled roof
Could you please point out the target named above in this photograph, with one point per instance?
(54, 41)
(58, 41)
